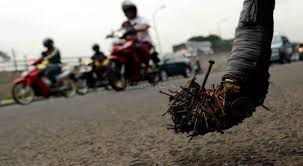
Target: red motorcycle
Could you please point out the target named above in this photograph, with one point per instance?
(124, 62)
(31, 85)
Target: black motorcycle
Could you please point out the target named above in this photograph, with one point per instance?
(93, 75)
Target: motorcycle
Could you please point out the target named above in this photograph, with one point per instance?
(78, 76)
(31, 84)
(122, 59)
(93, 74)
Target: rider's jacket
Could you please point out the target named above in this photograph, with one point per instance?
(137, 22)
(53, 57)
(98, 56)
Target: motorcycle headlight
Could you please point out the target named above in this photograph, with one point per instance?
(127, 44)
(120, 34)
(23, 74)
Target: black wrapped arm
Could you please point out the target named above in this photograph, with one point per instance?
(250, 58)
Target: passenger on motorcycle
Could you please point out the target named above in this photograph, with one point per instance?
(98, 59)
(53, 57)
(98, 55)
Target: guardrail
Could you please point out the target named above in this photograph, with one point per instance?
(22, 64)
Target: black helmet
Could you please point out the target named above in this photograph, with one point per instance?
(129, 6)
(48, 42)
(96, 47)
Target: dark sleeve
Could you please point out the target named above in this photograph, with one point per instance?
(59, 54)
(43, 54)
(103, 55)
(93, 57)
(59, 57)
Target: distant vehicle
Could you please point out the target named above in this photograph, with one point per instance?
(282, 49)
(296, 53)
(174, 65)
(194, 48)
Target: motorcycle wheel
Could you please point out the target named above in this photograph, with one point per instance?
(117, 81)
(23, 94)
(82, 87)
(70, 89)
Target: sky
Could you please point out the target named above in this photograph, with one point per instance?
(77, 24)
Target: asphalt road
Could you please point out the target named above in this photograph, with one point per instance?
(127, 128)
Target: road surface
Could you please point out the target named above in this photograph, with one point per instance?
(127, 128)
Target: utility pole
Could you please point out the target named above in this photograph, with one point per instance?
(155, 27)
(25, 62)
(219, 24)
(15, 61)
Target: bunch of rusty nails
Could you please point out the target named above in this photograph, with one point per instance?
(196, 110)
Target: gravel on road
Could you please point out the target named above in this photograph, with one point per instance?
(127, 128)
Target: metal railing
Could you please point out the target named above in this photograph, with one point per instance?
(22, 64)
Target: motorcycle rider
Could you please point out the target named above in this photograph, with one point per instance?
(53, 56)
(98, 58)
(98, 68)
(148, 46)
(141, 26)
(98, 55)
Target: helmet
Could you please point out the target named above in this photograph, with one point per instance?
(96, 47)
(48, 42)
(129, 6)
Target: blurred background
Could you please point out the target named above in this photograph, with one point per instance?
(79, 119)
(76, 25)
(196, 29)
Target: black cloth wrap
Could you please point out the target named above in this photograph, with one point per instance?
(250, 58)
